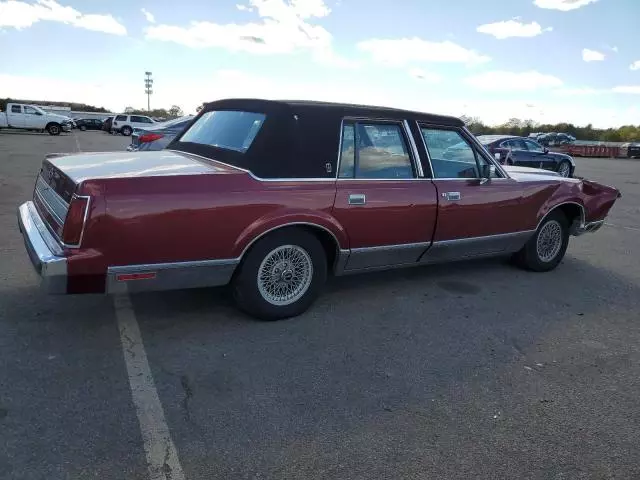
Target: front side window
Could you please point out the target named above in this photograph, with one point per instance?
(230, 130)
(374, 150)
(16, 109)
(451, 154)
(30, 110)
(514, 144)
(136, 119)
(533, 146)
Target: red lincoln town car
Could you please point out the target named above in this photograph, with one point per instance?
(273, 196)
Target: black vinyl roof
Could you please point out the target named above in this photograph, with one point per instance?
(299, 139)
(342, 109)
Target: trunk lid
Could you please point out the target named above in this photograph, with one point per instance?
(75, 168)
(60, 175)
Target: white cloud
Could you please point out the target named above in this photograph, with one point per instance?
(563, 5)
(148, 15)
(592, 55)
(635, 65)
(283, 28)
(513, 81)
(19, 14)
(512, 28)
(634, 89)
(578, 91)
(401, 52)
(429, 77)
(189, 93)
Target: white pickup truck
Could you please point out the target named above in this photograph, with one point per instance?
(31, 117)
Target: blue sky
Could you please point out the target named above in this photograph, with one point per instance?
(548, 60)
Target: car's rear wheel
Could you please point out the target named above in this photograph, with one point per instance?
(281, 275)
(564, 168)
(546, 249)
(126, 131)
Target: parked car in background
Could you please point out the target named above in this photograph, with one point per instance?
(159, 136)
(522, 151)
(630, 150)
(31, 117)
(89, 124)
(106, 125)
(276, 210)
(125, 124)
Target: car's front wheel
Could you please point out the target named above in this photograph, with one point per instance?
(82, 128)
(53, 129)
(281, 275)
(546, 249)
(564, 169)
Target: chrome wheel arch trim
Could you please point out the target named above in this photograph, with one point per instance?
(583, 219)
(339, 250)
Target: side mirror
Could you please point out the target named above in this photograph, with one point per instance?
(497, 156)
(545, 149)
(488, 172)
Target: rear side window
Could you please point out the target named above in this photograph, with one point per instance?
(374, 150)
(121, 118)
(16, 109)
(230, 130)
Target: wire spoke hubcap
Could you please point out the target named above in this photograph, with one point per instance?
(549, 241)
(285, 275)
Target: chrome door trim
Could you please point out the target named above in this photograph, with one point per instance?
(363, 258)
(460, 248)
(414, 149)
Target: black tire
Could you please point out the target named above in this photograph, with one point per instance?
(564, 166)
(53, 129)
(126, 131)
(246, 291)
(530, 259)
(82, 127)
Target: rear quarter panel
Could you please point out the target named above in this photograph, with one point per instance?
(176, 219)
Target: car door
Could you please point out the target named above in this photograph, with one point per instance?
(386, 206)
(15, 116)
(32, 118)
(476, 216)
(539, 156)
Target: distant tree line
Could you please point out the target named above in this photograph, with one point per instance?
(173, 112)
(515, 126)
(78, 107)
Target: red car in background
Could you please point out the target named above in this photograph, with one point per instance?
(273, 196)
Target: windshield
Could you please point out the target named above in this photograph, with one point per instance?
(230, 130)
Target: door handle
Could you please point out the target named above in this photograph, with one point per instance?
(451, 196)
(357, 199)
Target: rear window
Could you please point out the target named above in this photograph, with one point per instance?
(230, 130)
(121, 118)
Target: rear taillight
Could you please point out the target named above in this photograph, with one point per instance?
(149, 137)
(74, 223)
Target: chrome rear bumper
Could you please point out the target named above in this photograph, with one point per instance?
(44, 251)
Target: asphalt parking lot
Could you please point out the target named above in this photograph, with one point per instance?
(472, 370)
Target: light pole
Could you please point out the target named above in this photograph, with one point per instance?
(148, 84)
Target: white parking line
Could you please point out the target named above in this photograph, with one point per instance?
(162, 457)
(77, 142)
